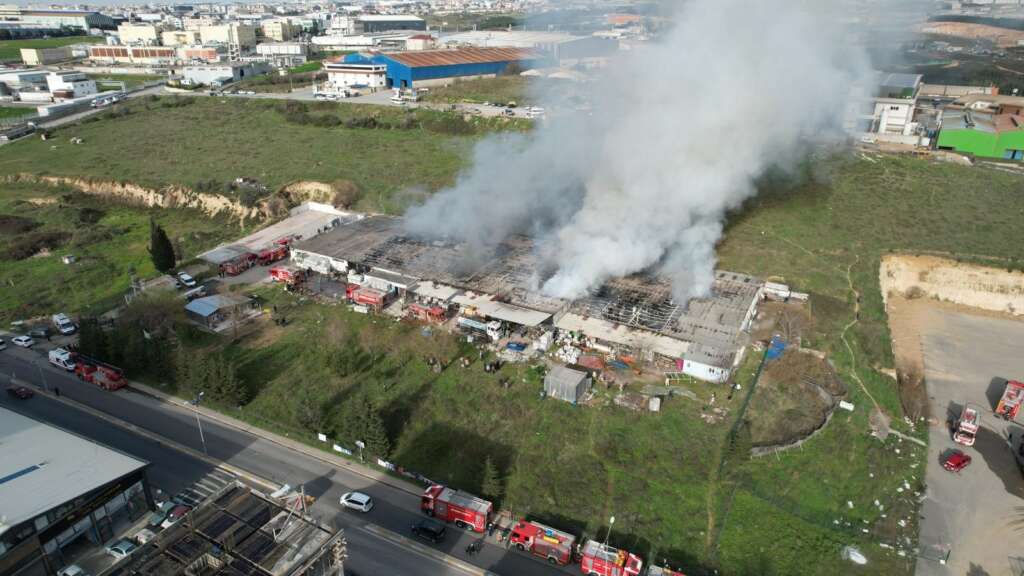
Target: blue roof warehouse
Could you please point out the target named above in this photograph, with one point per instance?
(436, 67)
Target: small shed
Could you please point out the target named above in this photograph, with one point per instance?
(566, 384)
(213, 310)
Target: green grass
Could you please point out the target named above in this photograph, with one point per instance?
(501, 89)
(311, 66)
(130, 80)
(7, 112)
(11, 49)
(107, 249)
(156, 146)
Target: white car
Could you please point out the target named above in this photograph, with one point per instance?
(357, 501)
(144, 535)
(186, 279)
(72, 570)
(23, 341)
(121, 549)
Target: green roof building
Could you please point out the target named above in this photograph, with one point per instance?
(983, 134)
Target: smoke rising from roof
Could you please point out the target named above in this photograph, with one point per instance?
(680, 131)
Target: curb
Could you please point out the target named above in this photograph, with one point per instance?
(399, 540)
(287, 443)
(266, 484)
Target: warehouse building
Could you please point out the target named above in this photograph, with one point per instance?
(705, 337)
(985, 126)
(81, 19)
(372, 23)
(283, 54)
(221, 74)
(138, 34)
(558, 46)
(44, 56)
(440, 67)
(140, 55)
(60, 495)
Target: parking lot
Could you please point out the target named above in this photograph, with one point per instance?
(969, 513)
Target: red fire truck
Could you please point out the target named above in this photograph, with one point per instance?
(967, 425)
(425, 313)
(93, 371)
(288, 274)
(239, 264)
(544, 541)
(369, 297)
(1013, 397)
(277, 250)
(602, 560)
(460, 508)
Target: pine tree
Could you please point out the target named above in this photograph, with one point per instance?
(376, 436)
(160, 248)
(490, 485)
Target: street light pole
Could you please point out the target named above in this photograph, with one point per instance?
(199, 423)
(611, 522)
(42, 376)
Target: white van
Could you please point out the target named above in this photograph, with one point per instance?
(64, 324)
(61, 358)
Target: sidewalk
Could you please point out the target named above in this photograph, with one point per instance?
(355, 467)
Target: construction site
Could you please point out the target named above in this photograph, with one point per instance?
(496, 291)
(241, 532)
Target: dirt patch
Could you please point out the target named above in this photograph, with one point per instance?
(916, 277)
(794, 398)
(166, 197)
(1003, 37)
(10, 224)
(339, 193)
(791, 320)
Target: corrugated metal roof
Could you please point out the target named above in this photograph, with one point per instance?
(208, 306)
(461, 56)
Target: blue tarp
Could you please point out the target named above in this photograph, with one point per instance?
(775, 348)
(516, 346)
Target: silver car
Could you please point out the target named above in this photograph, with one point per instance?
(357, 501)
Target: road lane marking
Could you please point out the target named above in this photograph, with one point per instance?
(409, 544)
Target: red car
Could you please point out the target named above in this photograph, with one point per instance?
(20, 392)
(956, 461)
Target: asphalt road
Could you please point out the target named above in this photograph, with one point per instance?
(969, 513)
(395, 510)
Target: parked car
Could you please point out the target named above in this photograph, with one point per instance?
(23, 341)
(20, 392)
(956, 461)
(157, 518)
(144, 535)
(39, 332)
(72, 570)
(174, 515)
(357, 501)
(430, 530)
(187, 279)
(121, 549)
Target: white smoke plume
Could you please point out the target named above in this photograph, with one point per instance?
(679, 132)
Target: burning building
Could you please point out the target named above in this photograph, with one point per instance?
(638, 315)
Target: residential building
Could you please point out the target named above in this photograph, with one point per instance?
(204, 54)
(279, 30)
(221, 74)
(61, 492)
(440, 67)
(180, 37)
(139, 34)
(84, 20)
(984, 126)
(239, 38)
(140, 55)
(69, 85)
(44, 56)
(367, 75)
(895, 104)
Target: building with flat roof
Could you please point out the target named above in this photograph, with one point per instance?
(221, 74)
(140, 55)
(44, 56)
(895, 103)
(439, 67)
(180, 37)
(987, 126)
(704, 337)
(559, 46)
(140, 34)
(85, 20)
(59, 490)
(371, 23)
(241, 532)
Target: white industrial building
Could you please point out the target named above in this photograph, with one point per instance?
(221, 74)
(283, 54)
(138, 34)
(371, 23)
(561, 47)
(70, 85)
(341, 75)
(895, 104)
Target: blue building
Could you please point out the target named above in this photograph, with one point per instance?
(434, 67)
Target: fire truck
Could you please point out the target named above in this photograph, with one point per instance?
(601, 560)
(240, 264)
(93, 371)
(276, 250)
(1013, 397)
(544, 541)
(425, 313)
(967, 425)
(369, 297)
(460, 508)
(290, 275)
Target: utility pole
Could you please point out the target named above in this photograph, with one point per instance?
(199, 423)
(611, 522)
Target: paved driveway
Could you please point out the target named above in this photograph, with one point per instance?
(965, 357)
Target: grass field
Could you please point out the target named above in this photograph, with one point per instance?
(8, 112)
(130, 80)
(11, 49)
(109, 240)
(501, 89)
(254, 139)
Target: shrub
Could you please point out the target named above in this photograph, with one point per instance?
(346, 193)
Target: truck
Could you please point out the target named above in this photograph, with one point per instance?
(93, 371)
(290, 275)
(277, 250)
(544, 541)
(369, 297)
(603, 560)
(239, 264)
(426, 313)
(460, 508)
(62, 359)
(1011, 400)
(967, 425)
(63, 324)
